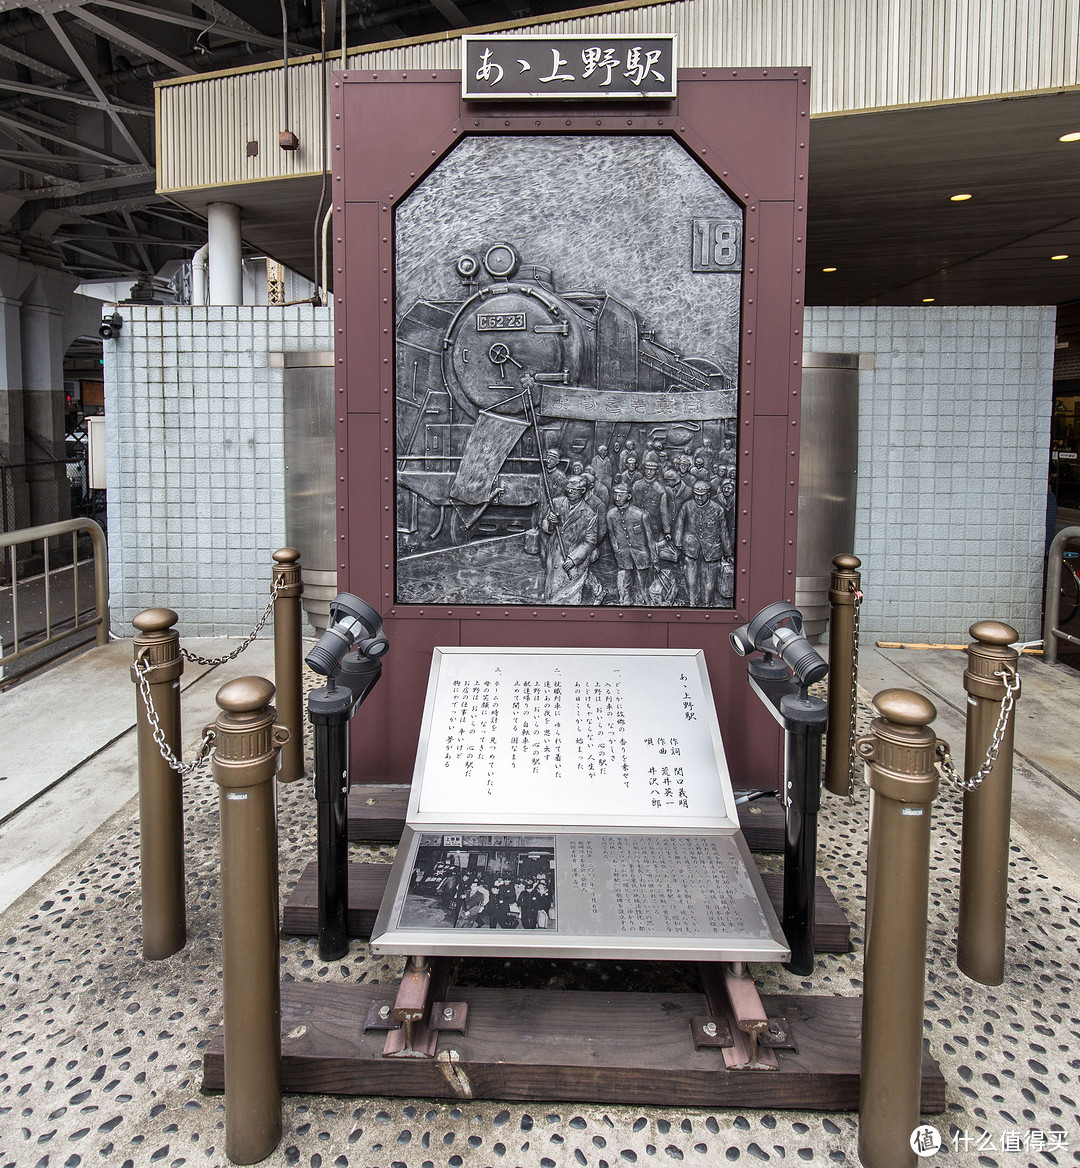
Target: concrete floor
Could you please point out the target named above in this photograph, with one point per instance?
(100, 1052)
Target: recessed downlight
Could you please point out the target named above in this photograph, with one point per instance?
(828, 269)
(928, 300)
(959, 198)
(1073, 137)
(1059, 257)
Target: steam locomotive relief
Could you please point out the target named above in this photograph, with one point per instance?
(551, 450)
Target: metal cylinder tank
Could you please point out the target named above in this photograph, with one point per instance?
(308, 407)
(828, 472)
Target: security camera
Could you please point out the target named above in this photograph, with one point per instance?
(110, 325)
(352, 624)
(778, 630)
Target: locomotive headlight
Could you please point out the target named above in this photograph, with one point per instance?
(501, 261)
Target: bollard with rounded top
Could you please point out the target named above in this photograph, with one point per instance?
(900, 754)
(984, 848)
(843, 600)
(161, 795)
(288, 619)
(246, 748)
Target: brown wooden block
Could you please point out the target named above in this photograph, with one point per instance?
(377, 811)
(762, 824)
(605, 1048)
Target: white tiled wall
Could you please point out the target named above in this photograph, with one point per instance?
(195, 459)
(954, 425)
(953, 434)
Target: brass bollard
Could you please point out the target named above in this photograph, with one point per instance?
(246, 748)
(287, 657)
(984, 849)
(903, 779)
(844, 598)
(161, 793)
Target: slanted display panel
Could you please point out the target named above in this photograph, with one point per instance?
(656, 897)
(567, 322)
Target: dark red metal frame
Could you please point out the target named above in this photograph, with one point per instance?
(749, 130)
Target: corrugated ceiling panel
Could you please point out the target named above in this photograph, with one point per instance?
(865, 54)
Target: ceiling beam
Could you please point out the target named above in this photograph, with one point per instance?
(451, 13)
(95, 88)
(238, 30)
(17, 128)
(102, 103)
(72, 190)
(10, 54)
(132, 43)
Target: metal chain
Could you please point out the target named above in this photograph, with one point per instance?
(1012, 688)
(852, 756)
(275, 588)
(142, 669)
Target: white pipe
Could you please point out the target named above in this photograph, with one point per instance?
(226, 267)
(324, 291)
(198, 275)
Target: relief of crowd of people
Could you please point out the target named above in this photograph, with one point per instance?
(666, 519)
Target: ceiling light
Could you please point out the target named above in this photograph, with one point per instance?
(828, 269)
(1059, 257)
(959, 198)
(1073, 137)
(928, 300)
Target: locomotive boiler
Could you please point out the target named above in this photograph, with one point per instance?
(490, 383)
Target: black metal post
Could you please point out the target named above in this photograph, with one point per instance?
(330, 709)
(804, 724)
(804, 719)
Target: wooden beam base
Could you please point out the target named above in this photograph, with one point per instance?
(367, 882)
(377, 814)
(569, 1045)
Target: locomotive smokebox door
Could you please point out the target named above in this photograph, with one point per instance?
(570, 365)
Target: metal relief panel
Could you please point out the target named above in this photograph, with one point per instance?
(567, 324)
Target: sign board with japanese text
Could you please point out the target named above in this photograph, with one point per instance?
(522, 67)
(611, 738)
(575, 803)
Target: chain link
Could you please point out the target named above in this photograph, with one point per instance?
(142, 669)
(275, 588)
(1011, 680)
(852, 756)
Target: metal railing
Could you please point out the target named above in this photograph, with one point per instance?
(1054, 566)
(60, 628)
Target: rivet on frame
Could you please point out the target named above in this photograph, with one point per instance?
(477, 612)
(537, 122)
(507, 122)
(341, 478)
(750, 271)
(725, 173)
(384, 208)
(678, 616)
(599, 122)
(386, 508)
(568, 122)
(629, 121)
(384, 537)
(706, 616)
(386, 421)
(474, 123)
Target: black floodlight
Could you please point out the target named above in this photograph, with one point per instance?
(778, 631)
(352, 624)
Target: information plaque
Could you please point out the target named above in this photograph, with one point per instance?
(575, 803)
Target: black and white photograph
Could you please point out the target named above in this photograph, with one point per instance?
(482, 882)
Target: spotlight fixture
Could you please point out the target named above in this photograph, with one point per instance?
(928, 300)
(959, 198)
(1073, 137)
(1059, 257)
(828, 269)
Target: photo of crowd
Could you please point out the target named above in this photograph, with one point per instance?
(482, 882)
